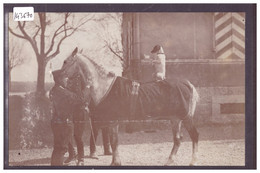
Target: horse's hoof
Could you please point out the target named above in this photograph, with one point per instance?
(80, 163)
(170, 163)
(93, 156)
(193, 163)
(108, 153)
(115, 164)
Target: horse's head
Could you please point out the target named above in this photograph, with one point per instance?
(73, 69)
(70, 66)
(93, 76)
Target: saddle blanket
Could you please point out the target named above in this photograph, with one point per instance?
(128, 100)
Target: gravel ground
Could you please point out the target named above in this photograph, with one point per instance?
(218, 146)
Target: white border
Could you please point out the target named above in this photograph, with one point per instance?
(99, 1)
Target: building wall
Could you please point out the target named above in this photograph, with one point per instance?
(182, 35)
(202, 48)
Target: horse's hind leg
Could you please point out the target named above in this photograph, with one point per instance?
(114, 145)
(179, 133)
(194, 135)
(176, 127)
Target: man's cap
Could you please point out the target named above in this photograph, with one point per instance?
(58, 74)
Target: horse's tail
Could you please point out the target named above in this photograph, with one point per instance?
(193, 100)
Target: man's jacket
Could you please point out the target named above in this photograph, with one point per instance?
(63, 103)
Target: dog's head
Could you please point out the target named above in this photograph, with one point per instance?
(157, 49)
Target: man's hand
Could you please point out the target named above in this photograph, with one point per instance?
(87, 109)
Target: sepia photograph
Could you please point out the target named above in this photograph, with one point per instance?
(129, 86)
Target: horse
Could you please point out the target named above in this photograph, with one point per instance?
(117, 99)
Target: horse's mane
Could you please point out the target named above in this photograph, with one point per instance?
(100, 69)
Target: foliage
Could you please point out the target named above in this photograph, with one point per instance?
(35, 122)
(15, 108)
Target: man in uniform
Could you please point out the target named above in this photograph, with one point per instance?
(63, 102)
(80, 112)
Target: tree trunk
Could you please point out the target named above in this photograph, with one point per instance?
(41, 77)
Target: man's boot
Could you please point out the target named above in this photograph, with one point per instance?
(72, 154)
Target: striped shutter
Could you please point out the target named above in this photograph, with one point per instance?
(230, 35)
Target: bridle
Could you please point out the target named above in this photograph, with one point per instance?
(87, 81)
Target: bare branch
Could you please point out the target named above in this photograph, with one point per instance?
(14, 62)
(65, 30)
(27, 37)
(15, 34)
(113, 51)
(15, 55)
(59, 44)
(116, 18)
(65, 21)
(56, 33)
(35, 35)
(66, 35)
(83, 23)
(23, 25)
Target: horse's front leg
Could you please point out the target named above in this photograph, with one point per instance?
(114, 145)
(176, 127)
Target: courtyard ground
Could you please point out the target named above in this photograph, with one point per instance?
(219, 145)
